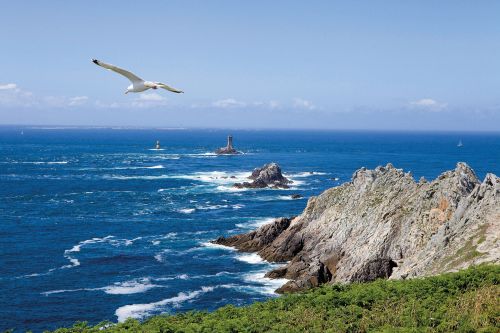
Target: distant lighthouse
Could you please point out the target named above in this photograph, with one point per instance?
(229, 149)
(229, 142)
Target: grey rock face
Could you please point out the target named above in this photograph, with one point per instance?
(268, 176)
(383, 224)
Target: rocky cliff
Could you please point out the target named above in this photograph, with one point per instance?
(383, 224)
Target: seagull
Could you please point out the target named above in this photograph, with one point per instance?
(138, 84)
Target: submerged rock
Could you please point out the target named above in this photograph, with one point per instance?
(296, 196)
(268, 176)
(383, 224)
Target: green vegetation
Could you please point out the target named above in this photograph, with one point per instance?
(467, 301)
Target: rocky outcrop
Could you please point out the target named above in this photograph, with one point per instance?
(228, 149)
(383, 224)
(268, 176)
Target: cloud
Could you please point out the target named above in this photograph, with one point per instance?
(78, 100)
(148, 100)
(8, 86)
(269, 104)
(429, 104)
(153, 97)
(228, 103)
(13, 96)
(300, 103)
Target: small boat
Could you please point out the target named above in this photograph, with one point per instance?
(460, 144)
(157, 146)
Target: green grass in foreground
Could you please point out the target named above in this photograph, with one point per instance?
(467, 301)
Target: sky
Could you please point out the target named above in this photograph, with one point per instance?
(378, 65)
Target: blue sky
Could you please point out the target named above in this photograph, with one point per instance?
(422, 65)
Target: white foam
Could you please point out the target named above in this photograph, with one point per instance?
(143, 177)
(119, 288)
(187, 210)
(211, 207)
(238, 206)
(156, 167)
(139, 311)
(217, 246)
(256, 223)
(202, 155)
(130, 287)
(268, 286)
(251, 258)
(41, 162)
(216, 177)
(306, 174)
(60, 291)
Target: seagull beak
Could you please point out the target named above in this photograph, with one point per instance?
(126, 92)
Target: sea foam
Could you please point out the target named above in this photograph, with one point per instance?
(139, 311)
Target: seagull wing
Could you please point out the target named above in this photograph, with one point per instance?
(164, 86)
(132, 77)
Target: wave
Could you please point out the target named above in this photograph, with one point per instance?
(267, 285)
(217, 246)
(216, 177)
(256, 223)
(251, 258)
(36, 162)
(306, 174)
(130, 287)
(187, 210)
(177, 277)
(119, 177)
(202, 155)
(139, 311)
(119, 288)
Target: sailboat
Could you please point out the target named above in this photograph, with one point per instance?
(460, 144)
(157, 146)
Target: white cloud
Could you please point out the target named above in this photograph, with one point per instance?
(77, 100)
(153, 97)
(269, 104)
(8, 86)
(429, 104)
(13, 96)
(300, 103)
(228, 103)
(148, 100)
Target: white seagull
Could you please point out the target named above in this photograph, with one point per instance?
(138, 84)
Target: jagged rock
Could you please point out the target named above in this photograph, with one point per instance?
(229, 149)
(383, 224)
(296, 196)
(268, 176)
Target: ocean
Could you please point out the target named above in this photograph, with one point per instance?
(96, 225)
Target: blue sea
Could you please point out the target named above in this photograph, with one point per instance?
(96, 225)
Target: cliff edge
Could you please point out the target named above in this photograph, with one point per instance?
(383, 224)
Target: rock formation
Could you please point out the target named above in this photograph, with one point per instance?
(383, 224)
(228, 149)
(268, 176)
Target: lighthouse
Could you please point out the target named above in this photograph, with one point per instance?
(229, 149)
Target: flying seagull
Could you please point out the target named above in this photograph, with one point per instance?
(138, 84)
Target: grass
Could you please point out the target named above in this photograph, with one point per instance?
(466, 301)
